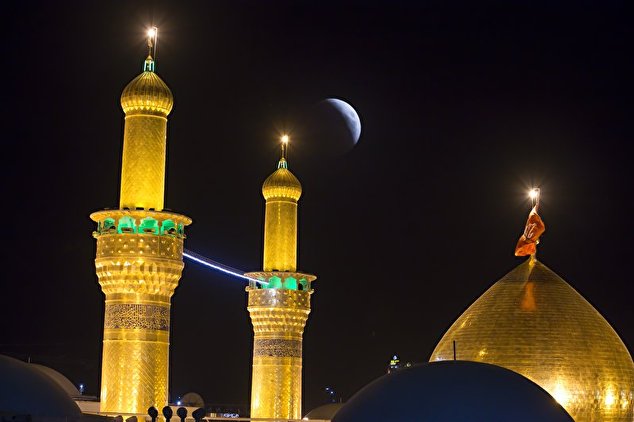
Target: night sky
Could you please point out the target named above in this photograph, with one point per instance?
(464, 106)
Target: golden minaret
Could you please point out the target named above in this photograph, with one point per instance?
(279, 304)
(139, 255)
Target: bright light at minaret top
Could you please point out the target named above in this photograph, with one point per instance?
(533, 194)
(152, 38)
(285, 138)
(152, 42)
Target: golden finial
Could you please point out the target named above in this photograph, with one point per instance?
(152, 34)
(152, 39)
(284, 145)
(284, 140)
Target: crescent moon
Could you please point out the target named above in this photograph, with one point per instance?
(350, 115)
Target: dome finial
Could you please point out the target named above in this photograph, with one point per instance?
(282, 183)
(527, 244)
(152, 39)
(284, 145)
(533, 194)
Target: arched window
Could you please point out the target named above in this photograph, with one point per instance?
(305, 284)
(149, 225)
(168, 227)
(290, 283)
(274, 283)
(126, 225)
(108, 226)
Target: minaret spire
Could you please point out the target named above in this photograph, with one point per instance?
(283, 146)
(139, 254)
(279, 309)
(152, 39)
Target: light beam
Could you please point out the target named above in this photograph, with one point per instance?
(220, 267)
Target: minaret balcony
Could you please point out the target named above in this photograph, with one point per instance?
(286, 280)
(139, 221)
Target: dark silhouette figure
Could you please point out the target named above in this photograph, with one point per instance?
(167, 412)
(198, 414)
(182, 413)
(153, 413)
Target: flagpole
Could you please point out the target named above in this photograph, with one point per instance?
(534, 195)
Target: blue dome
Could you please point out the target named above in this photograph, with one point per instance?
(60, 379)
(324, 412)
(452, 391)
(25, 390)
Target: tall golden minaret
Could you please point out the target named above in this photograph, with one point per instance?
(139, 255)
(279, 306)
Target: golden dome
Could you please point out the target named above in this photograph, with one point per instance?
(147, 93)
(282, 184)
(536, 324)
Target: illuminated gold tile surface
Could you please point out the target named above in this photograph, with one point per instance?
(281, 190)
(280, 229)
(143, 165)
(146, 102)
(134, 370)
(138, 273)
(280, 306)
(139, 257)
(278, 317)
(534, 323)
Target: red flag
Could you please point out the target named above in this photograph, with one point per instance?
(527, 245)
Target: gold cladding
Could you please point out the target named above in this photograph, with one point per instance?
(139, 270)
(281, 190)
(146, 102)
(534, 323)
(278, 317)
(138, 273)
(143, 165)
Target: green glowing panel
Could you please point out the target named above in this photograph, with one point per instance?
(149, 225)
(290, 283)
(126, 225)
(108, 225)
(304, 283)
(274, 283)
(168, 227)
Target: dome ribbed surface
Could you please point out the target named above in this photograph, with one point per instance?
(282, 184)
(536, 324)
(147, 93)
